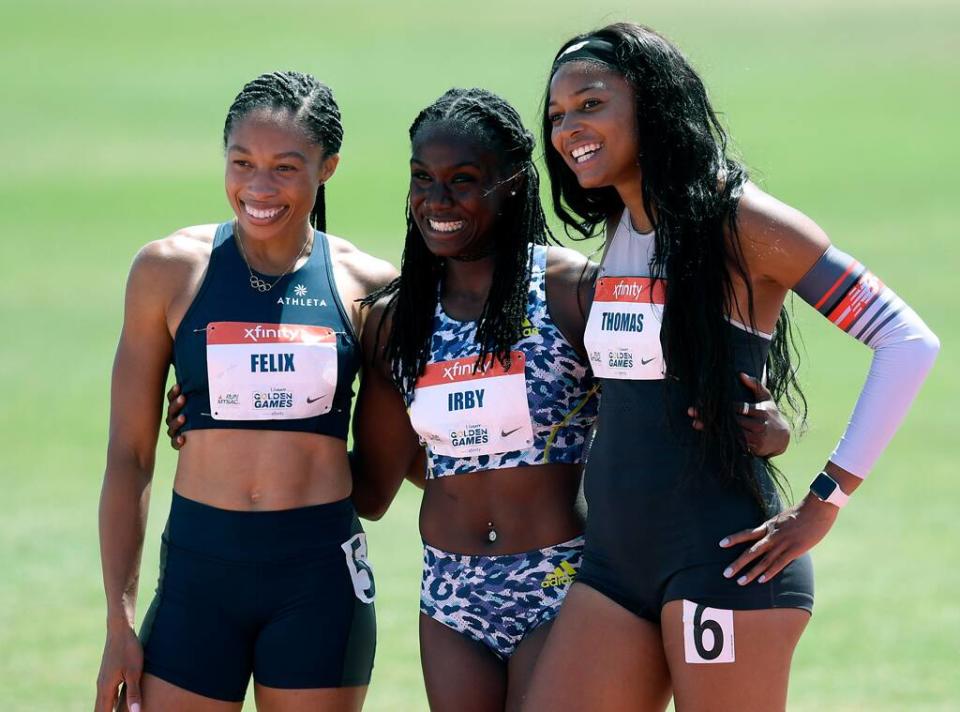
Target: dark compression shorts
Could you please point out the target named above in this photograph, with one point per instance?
(285, 595)
(653, 529)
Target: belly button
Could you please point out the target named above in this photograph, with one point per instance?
(255, 496)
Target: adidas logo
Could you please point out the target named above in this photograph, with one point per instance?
(527, 329)
(563, 575)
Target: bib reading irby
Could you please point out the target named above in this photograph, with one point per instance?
(459, 412)
(270, 371)
(622, 337)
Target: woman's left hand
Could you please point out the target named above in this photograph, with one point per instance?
(780, 540)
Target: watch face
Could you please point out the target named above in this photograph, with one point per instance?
(823, 486)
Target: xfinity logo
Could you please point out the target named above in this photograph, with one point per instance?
(259, 332)
(450, 373)
(627, 289)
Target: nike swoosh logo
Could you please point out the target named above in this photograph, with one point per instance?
(645, 361)
(314, 400)
(507, 433)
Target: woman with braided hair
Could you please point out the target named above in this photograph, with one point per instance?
(695, 577)
(475, 352)
(479, 337)
(263, 559)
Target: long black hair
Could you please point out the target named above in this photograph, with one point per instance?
(691, 191)
(412, 297)
(313, 107)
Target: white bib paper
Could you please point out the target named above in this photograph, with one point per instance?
(459, 413)
(622, 337)
(707, 634)
(270, 371)
(361, 573)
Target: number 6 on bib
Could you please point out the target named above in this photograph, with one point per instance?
(707, 634)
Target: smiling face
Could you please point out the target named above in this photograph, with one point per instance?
(272, 174)
(456, 191)
(593, 123)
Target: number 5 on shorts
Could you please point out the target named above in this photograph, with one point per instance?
(707, 634)
(361, 573)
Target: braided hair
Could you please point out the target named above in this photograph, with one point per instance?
(412, 297)
(313, 107)
(691, 192)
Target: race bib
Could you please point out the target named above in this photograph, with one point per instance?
(622, 337)
(459, 413)
(707, 634)
(270, 371)
(361, 573)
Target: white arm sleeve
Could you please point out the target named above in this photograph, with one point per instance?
(904, 349)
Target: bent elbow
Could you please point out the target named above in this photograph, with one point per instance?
(927, 347)
(370, 510)
(913, 347)
(933, 344)
(373, 514)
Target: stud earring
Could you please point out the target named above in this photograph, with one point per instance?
(513, 192)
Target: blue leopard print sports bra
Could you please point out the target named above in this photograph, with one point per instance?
(539, 410)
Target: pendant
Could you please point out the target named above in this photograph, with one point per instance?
(259, 284)
(492, 534)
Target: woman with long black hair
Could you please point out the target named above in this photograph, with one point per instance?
(694, 575)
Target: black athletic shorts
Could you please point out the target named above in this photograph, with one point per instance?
(654, 524)
(285, 595)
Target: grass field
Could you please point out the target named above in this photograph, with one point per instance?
(111, 115)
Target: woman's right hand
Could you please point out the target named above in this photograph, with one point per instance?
(175, 403)
(766, 431)
(122, 663)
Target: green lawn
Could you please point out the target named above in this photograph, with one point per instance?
(111, 116)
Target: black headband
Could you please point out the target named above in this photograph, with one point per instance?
(592, 48)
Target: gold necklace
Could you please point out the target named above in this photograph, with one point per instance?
(261, 285)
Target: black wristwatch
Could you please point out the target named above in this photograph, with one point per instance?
(827, 489)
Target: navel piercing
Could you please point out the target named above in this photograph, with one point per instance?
(492, 534)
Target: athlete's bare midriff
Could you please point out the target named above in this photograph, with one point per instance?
(529, 508)
(262, 469)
